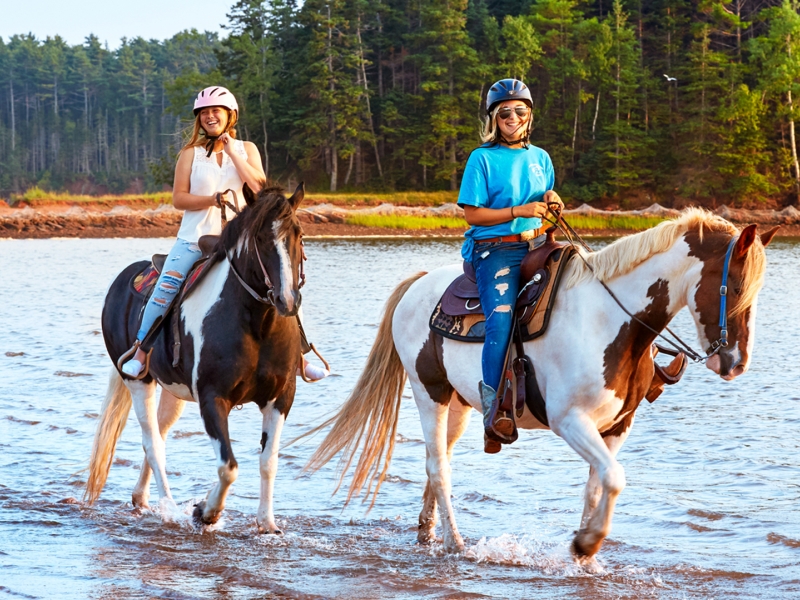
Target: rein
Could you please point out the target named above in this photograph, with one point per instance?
(678, 344)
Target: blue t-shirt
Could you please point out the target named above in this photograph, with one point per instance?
(500, 177)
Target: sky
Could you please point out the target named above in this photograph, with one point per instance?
(110, 20)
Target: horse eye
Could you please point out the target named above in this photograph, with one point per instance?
(737, 291)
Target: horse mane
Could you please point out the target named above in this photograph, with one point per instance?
(627, 253)
(271, 206)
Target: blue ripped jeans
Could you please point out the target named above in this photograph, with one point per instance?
(180, 261)
(497, 270)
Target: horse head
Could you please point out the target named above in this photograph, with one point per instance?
(724, 302)
(270, 231)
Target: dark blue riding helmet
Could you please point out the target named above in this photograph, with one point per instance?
(507, 89)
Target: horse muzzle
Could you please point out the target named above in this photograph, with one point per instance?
(286, 306)
(728, 364)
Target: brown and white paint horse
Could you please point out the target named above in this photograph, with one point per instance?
(237, 347)
(594, 364)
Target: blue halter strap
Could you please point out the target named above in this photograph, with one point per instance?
(722, 342)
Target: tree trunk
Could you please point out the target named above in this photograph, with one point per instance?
(366, 96)
(331, 121)
(13, 117)
(596, 112)
(349, 169)
(792, 139)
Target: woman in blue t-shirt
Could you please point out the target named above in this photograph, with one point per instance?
(505, 190)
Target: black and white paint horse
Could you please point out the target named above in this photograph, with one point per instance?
(238, 345)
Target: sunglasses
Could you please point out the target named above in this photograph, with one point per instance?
(505, 113)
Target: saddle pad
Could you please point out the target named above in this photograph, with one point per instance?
(533, 320)
(144, 281)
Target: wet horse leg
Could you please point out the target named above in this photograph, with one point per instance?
(268, 463)
(434, 419)
(170, 409)
(215, 411)
(593, 488)
(580, 432)
(144, 403)
(457, 421)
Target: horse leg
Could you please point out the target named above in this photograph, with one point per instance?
(580, 432)
(434, 419)
(457, 421)
(170, 409)
(593, 487)
(144, 403)
(268, 463)
(215, 412)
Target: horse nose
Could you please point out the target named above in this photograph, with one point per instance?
(288, 306)
(732, 364)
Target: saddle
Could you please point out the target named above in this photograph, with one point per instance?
(143, 284)
(459, 315)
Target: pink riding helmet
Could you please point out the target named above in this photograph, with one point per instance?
(215, 96)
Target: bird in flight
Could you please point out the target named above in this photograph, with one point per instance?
(670, 78)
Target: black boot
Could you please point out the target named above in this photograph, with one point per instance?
(498, 425)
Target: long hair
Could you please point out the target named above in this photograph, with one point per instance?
(198, 135)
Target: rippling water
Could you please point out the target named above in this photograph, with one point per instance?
(710, 510)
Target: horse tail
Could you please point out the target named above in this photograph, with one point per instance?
(370, 413)
(113, 417)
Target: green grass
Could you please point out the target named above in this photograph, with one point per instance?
(396, 198)
(407, 222)
(37, 197)
(628, 222)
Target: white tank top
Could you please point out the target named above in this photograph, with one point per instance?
(208, 178)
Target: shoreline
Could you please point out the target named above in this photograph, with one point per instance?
(58, 221)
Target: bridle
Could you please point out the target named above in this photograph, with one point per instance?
(269, 299)
(678, 344)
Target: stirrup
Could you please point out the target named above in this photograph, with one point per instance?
(129, 354)
(303, 371)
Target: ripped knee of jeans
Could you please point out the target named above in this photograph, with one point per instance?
(169, 286)
(502, 272)
(157, 300)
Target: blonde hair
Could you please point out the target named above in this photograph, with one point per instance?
(198, 136)
(489, 132)
(627, 253)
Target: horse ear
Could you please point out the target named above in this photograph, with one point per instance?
(746, 239)
(298, 196)
(249, 196)
(766, 237)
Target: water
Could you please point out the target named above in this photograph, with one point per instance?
(713, 472)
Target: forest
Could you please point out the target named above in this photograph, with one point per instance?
(636, 101)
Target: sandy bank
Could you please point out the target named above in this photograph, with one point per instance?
(322, 220)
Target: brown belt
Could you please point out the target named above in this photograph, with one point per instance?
(517, 237)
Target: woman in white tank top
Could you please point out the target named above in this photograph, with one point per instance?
(212, 162)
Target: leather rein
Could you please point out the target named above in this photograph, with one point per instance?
(678, 344)
(269, 299)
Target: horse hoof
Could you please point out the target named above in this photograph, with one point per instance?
(269, 530)
(582, 551)
(140, 502)
(197, 515)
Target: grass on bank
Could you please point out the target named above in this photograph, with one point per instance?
(396, 198)
(38, 197)
(407, 222)
(585, 223)
(626, 222)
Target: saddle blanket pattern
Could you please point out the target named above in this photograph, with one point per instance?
(144, 281)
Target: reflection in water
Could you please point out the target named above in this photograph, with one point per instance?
(712, 467)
